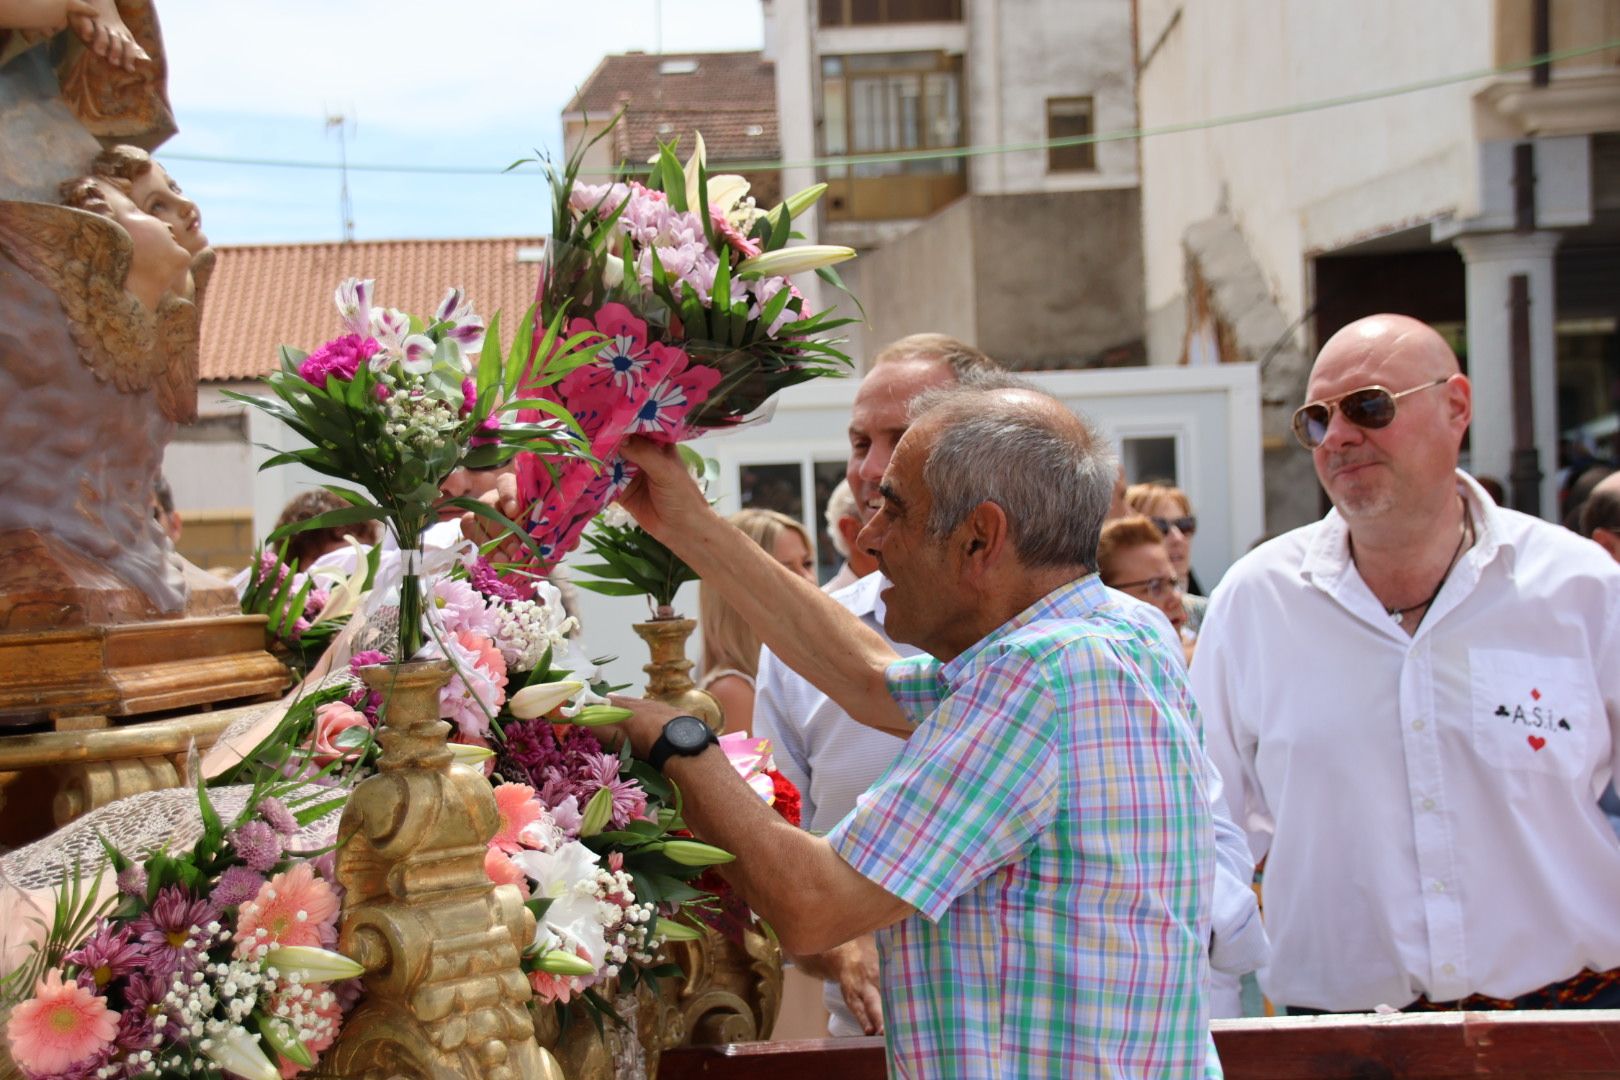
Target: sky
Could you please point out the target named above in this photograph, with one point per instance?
(471, 83)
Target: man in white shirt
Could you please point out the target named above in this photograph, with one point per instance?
(844, 521)
(833, 759)
(1415, 704)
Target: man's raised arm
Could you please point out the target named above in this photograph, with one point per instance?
(811, 632)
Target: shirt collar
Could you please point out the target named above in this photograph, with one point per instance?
(1074, 600)
(1327, 559)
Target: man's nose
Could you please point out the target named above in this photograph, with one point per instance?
(1340, 432)
(870, 538)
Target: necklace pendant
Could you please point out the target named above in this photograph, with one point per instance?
(1396, 617)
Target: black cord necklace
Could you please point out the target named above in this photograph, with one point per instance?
(1400, 614)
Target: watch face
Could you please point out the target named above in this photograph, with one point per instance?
(687, 734)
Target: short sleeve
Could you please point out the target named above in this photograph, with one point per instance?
(972, 789)
(916, 685)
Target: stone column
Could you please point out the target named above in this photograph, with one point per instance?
(1492, 260)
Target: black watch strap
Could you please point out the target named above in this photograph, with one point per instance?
(698, 737)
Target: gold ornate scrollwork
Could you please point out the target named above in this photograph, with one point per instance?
(445, 995)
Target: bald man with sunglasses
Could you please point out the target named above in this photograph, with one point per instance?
(1415, 704)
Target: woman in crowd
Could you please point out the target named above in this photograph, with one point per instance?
(1168, 507)
(730, 648)
(1132, 556)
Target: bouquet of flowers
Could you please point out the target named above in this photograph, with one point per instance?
(687, 282)
(214, 961)
(396, 404)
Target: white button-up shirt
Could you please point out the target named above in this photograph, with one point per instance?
(1428, 804)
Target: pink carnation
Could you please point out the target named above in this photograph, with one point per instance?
(340, 357)
(518, 808)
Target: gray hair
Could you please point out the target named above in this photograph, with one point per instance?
(840, 505)
(1054, 482)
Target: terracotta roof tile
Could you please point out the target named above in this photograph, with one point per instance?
(265, 295)
(729, 96)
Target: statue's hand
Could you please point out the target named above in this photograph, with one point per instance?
(103, 32)
(46, 15)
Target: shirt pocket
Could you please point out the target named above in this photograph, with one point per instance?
(1532, 713)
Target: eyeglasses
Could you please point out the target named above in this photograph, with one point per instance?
(1155, 587)
(1370, 407)
(1187, 525)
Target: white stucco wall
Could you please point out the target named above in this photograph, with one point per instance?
(1021, 52)
(1318, 180)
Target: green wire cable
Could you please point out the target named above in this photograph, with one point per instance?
(961, 152)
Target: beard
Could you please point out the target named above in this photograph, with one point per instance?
(1366, 493)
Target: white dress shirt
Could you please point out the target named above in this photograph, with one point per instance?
(832, 760)
(1429, 804)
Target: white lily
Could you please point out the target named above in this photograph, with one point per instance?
(674, 931)
(573, 918)
(693, 164)
(284, 1041)
(345, 596)
(801, 201)
(238, 1051)
(537, 700)
(784, 262)
(314, 965)
(465, 754)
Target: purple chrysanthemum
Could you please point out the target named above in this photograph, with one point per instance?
(132, 880)
(257, 845)
(143, 1004)
(598, 771)
(487, 580)
(110, 953)
(277, 816)
(175, 930)
(236, 886)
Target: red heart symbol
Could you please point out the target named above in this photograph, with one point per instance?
(1536, 742)
(1536, 694)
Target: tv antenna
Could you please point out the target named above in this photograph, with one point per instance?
(344, 126)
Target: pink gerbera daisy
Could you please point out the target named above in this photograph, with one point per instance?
(518, 809)
(293, 908)
(61, 1026)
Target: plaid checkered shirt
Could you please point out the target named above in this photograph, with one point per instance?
(1048, 820)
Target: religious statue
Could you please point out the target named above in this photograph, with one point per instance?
(97, 365)
(103, 265)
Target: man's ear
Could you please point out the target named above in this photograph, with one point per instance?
(982, 539)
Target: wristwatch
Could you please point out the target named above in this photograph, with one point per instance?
(684, 736)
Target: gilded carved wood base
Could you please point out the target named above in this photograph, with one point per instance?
(445, 995)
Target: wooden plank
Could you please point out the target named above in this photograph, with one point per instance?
(1581, 1044)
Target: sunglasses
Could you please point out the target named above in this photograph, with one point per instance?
(1370, 407)
(1187, 525)
(1155, 587)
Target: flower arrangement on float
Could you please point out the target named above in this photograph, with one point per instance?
(687, 284)
(207, 962)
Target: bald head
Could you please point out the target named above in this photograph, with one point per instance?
(998, 440)
(1398, 467)
(1395, 351)
(1600, 514)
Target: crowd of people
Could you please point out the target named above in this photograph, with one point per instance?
(1041, 773)
(1040, 769)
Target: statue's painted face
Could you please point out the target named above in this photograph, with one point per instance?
(160, 264)
(157, 194)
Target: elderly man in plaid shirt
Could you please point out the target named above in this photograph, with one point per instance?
(1038, 861)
